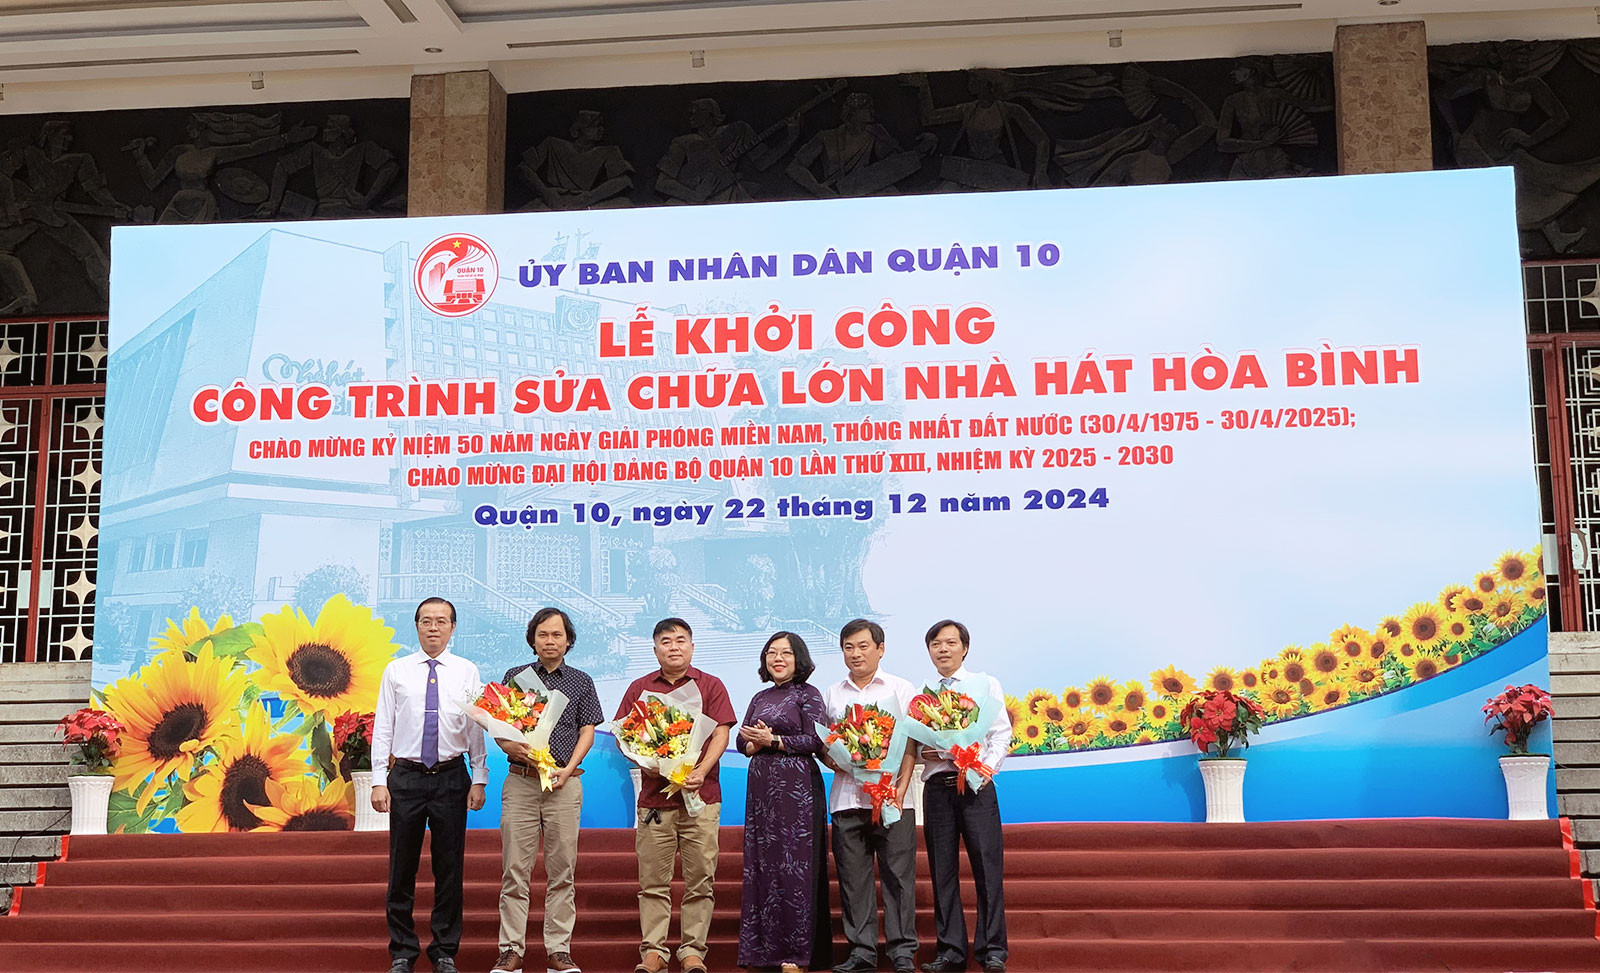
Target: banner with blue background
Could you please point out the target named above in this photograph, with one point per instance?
(1266, 436)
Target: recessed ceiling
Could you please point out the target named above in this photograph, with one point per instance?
(570, 43)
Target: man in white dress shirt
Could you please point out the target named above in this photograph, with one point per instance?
(857, 841)
(422, 744)
(952, 818)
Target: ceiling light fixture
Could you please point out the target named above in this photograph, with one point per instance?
(1387, 3)
(433, 50)
(1114, 38)
(257, 80)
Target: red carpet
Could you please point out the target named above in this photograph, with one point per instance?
(1409, 895)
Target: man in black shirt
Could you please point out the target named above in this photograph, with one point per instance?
(527, 810)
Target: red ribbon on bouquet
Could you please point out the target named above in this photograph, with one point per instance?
(883, 790)
(966, 758)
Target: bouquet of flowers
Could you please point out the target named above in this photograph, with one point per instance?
(95, 735)
(527, 712)
(1216, 716)
(1516, 712)
(352, 737)
(863, 742)
(954, 719)
(664, 734)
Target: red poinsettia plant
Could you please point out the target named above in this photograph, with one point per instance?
(1216, 717)
(352, 737)
(1516, 712)
(94, 737)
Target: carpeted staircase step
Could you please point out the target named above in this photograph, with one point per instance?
(1129, 924)
(1212, 953)
(1139, 898)
(1085, 836)
(1054, 863)
(482, 891)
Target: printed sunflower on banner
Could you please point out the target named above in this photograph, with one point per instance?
(1354, 664)
(229, 725)
(175, 710)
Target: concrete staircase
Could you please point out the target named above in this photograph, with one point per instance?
(34, 807)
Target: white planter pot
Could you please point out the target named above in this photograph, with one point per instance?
(91, 793)
(1527, 777)
(366, 818)
(1224, 780)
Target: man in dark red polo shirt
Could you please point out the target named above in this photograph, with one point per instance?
(665, 830)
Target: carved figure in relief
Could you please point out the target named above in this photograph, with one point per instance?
(703, 166)
(582, 172)
(1000, 145)
(17, 294)
(53, 174)
(859, 157)
(1142, 154)
(1517, 111)
(339, 161)
(1264, 118)
(215, 139)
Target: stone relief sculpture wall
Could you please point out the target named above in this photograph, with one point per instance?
(957, 131)
(66, 179)
(1533, 105)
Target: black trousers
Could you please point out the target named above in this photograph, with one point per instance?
(438, 803)
(857, 845)
(951, 819)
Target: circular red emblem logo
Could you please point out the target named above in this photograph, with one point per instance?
(456, 274)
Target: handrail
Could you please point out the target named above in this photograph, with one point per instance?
(711, 603)
(595, 604)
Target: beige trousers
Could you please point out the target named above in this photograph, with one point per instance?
(694, 838)
(526, 812)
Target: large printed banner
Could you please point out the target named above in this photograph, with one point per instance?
(1267, 436)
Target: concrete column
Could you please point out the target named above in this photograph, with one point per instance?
(458, 144)
(1381, 97)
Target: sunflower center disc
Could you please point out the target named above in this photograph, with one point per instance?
(182, 723)
(320, 670)
(244, 783)
(318, 820)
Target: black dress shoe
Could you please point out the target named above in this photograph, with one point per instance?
(994, 966)
(905, 966)
(945, 966)
(857, 964)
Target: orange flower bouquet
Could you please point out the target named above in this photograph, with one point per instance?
(526, 712)
(863, 742)
(954, 720)
(664, 733)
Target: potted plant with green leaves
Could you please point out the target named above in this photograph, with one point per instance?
(93, 740)
(1515, 712)
(1216, 718)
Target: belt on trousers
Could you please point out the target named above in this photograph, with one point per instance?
(528, 770)
(946, 779)
(438, 768)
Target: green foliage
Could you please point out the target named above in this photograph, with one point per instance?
(316, 586)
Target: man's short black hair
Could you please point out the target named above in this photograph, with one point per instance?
(961, 630)
(858, 625)
(544, 615)
(668, 624)
(417, 617)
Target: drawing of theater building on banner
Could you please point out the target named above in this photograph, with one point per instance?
(192, 518)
